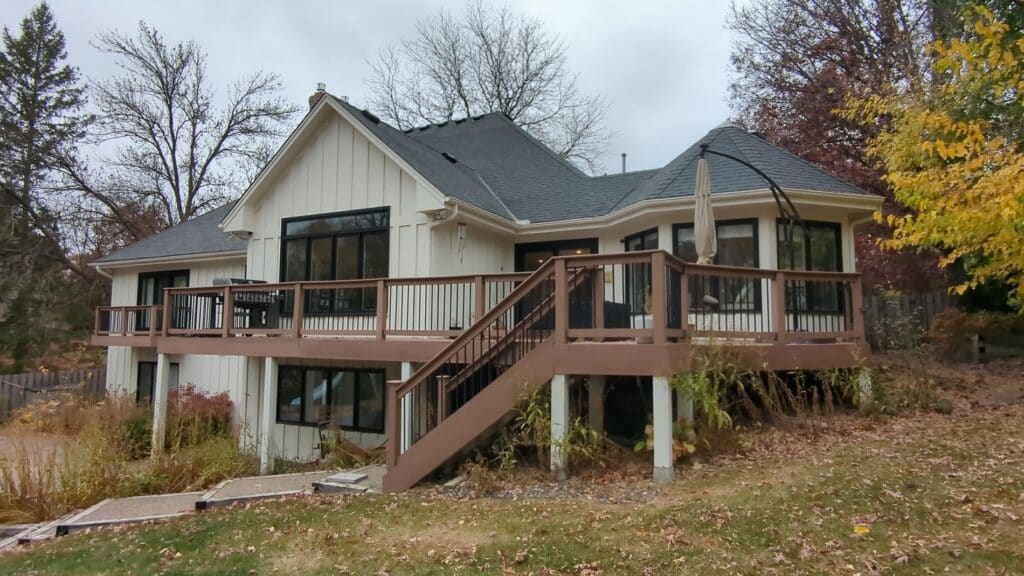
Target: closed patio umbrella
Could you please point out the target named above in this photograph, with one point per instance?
(703, 217)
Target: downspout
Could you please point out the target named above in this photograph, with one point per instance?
(102, 272)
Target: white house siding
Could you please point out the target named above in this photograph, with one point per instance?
(338, 169)
(209, 374)
(480, 252)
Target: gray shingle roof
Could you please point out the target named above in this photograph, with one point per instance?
(453, 179)
(536, 185)
(489, 162)
(678, 177)
(200, 235)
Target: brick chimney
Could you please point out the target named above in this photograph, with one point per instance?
(321, 89)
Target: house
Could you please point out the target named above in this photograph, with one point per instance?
(411, 286)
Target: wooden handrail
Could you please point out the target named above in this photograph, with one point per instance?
(520, 328)
(480, 325)
(476, 307)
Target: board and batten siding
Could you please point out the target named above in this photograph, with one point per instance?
(337, 169)
(211, 374)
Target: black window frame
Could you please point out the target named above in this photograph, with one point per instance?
(142, 320)
(152, 383)
(633, 271)
(716, 287)
(836, 226)
(554, 246)
(158, 296)
(330, 372)
(834, 305)
(326, 300)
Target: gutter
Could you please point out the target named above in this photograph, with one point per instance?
(178, 258)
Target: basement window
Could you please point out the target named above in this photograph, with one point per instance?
(146, 382)
(353, 399)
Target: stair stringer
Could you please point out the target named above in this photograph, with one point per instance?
(472, 419)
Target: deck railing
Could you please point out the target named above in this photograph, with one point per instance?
(648, 295)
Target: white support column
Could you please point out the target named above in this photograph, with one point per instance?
(595, 403)
(661, 398)
(267, 415)
(161, 388)
(866, 392)
(408, 403)
(559, 422)
(684, 408)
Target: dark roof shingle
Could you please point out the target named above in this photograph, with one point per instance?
(200, 235)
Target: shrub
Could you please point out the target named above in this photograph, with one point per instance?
(103, 460)
(951, 328)
(528, 439)
(194, 417)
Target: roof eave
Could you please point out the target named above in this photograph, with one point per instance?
(171, 259)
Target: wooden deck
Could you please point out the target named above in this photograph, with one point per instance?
(651, 311)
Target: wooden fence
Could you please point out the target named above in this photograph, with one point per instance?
(922, 307)
(16, 390)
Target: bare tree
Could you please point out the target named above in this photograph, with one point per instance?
(795, 62)
(176, 152)
(490, 60)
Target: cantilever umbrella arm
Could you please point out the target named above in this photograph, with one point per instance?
(787, 210)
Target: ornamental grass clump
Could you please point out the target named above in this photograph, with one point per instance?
(106, 454)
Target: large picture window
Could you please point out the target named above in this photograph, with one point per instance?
(343, 246)
(351, 398)
(817, 250)
(737, 246)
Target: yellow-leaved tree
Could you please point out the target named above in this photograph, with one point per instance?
(954, 155)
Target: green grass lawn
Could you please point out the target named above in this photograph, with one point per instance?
(910, 495)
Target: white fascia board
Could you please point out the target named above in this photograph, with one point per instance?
(180, 259)
(743, 198)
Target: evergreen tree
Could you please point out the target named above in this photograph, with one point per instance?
(40, 122)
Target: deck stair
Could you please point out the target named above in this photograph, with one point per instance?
(472, 385)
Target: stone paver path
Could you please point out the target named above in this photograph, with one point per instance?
(119, 511)
(134, 509)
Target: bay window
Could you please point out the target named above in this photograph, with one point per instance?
(737, 246)
(816, 250)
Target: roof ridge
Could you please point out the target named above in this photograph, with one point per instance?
(541, 145)
(435, 125)
(621, 174)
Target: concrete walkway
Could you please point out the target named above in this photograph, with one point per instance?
(121, 511)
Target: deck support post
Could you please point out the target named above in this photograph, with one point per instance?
(661, 398)
(595, 403)
(267, 415)
(559, 423)
(160, 398)
(407, 403)
(684, 408)
(866, 392)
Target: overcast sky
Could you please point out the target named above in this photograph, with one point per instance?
(663, 65)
